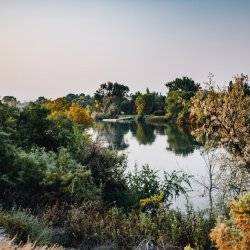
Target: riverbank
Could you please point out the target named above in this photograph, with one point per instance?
(147, 118)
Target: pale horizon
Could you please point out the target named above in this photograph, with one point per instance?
(55, 48)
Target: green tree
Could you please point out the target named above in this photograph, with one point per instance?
(110, 89)
(177, 105)
(10, 100)
(34, 128)
(184, 84)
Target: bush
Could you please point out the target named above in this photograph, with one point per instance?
(235, 232)
(93, 225)
(24, 226)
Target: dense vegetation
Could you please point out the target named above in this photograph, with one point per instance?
(58, 186)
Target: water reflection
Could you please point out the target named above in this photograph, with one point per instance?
(178, 141)
(145, 134)
(166, 148)
(113, 134)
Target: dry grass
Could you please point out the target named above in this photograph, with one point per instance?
(9, 245)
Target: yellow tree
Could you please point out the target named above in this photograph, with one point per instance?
(59, 104)
(140, 103)
(79, 115)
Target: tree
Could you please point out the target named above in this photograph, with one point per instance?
(110, 89)
(140, 103)
(177, 105)
(127, 106)
(111, 95)
(184, 84)
(34, 128)
(41, 99)
(181, 90)
(243, 81)
(222, 118)
(71, 97)
(79, 115)
(145, 103)
(10, 100)
(59, 104)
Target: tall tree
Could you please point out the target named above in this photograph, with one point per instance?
(110, 89)
(184, 83)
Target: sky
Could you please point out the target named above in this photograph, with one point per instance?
(52, 48)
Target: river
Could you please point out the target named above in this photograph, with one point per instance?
(163, 148)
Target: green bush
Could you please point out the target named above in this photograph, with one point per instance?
(24, 226)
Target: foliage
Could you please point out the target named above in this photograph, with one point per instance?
(144, 183)
(35, 129)
(177, 106)
(243, 79)
(185, 84)
(144, 133)
(107, 169)
(79, 115)
(50, 165)
(222, 117)
(235, 232)
(110, 89)
(61, 108)
(9, 100)
(145, 187)
(127, 107)
(153, 201)
(51, 176)
(24, 226)
(180, 142)
(149, 102)
(92, 225)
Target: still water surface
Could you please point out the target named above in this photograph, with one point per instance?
(163, 148)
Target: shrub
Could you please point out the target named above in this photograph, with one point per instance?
(221, 117)
(235, 232)
(24, 226)
(92, 225)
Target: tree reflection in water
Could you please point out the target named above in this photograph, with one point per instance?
(180, 142)
(145, 133)
(113, 134)
(218, 178)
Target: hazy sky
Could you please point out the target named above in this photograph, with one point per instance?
(51, 48)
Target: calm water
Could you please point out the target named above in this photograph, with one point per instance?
(163, 148)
